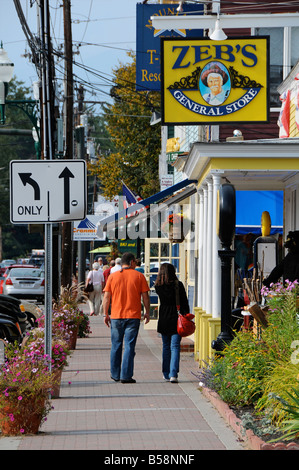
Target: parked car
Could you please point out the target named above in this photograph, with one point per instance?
(10, 330)
(37, 260)
(16, 318)
(4, 264)
(7, 270)
(25, 282)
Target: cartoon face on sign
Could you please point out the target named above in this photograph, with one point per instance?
(214, 83)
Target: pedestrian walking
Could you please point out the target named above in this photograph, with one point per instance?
(138, 266)
(100, 261)
(95, 297)
(124, 290)
(117, 266)
(106, 272)
(165, 287)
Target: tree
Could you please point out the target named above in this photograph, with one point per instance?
(98, 131)
(137, 144)
(13, 147)
(15, 239)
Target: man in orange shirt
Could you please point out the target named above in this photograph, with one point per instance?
(124, 290)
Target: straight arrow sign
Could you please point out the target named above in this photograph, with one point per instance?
(66, 174)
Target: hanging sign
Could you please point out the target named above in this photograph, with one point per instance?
(213, 82)
(148, 58)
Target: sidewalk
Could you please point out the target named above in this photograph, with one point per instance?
(95, 413)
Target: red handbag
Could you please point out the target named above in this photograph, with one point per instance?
(185, 324)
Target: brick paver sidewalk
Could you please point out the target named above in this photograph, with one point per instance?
(96, 413)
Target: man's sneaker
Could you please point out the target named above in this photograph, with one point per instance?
(128, 381)
(173, 380)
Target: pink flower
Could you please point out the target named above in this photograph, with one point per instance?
(20, 398)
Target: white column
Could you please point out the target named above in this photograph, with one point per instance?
(209, 247)
(216, 287)
(200, 249)
(204, 253)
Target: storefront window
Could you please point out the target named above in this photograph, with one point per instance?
(276, 61)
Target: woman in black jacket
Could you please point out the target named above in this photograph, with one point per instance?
(168, 316)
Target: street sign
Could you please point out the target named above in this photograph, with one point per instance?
(45, 191)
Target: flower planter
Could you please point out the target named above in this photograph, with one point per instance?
(55, 391)
(251, 441)
(25, 417)
(72, 342)
(173, 226)
(176, 233)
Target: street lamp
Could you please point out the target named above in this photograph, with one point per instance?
(226, 221)
(6, 73)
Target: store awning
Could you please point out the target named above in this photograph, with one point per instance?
(249, 208)
(155, 199)
(101, 249)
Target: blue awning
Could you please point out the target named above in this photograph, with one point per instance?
(249, 208)
(156, 198)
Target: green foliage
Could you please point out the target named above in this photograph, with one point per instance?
(238, 373)
(15, 240)
(84, 326)
(283, 326)
(281, 337)
(284, 376)
(99, 132)
(137, 145)
(290, 427)
(264, 372)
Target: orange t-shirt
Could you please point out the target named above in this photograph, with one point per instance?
(126, 287)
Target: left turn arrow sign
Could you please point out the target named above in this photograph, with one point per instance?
(26, 179)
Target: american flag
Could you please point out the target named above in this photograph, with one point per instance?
(284, 116)
(129, 197)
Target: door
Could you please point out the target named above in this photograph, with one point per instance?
(158, 251)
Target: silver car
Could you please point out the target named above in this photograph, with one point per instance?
(25, 283)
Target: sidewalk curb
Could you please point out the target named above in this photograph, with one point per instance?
(252, 441)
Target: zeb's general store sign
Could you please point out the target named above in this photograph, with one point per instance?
(212, 82)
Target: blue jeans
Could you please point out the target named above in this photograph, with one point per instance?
(123, 331)
(171, 355)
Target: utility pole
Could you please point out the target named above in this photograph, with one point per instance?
(80, 140)
(47, 152)
(66, 251)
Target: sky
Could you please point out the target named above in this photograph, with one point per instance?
(106, 30)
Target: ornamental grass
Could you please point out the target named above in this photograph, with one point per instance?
(262, 371)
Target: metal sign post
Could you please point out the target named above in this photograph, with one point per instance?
(2, 351)
(48, 292)
(47, 191)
